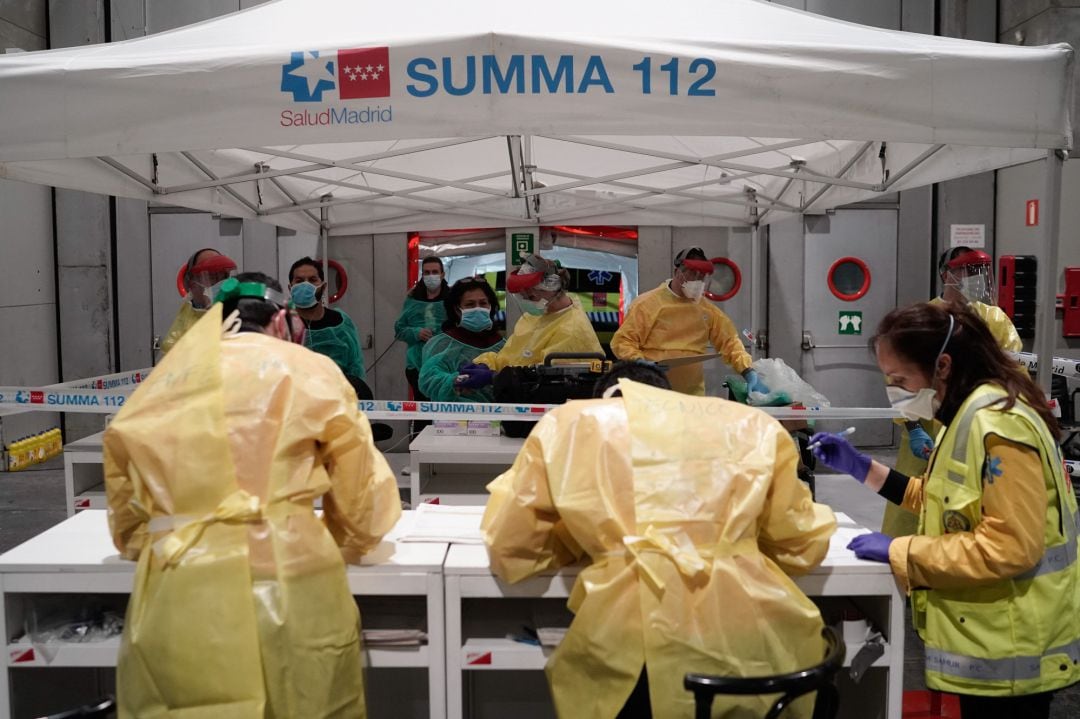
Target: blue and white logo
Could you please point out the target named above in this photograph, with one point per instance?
(307, 76)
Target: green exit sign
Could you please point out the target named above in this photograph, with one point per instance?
(521, 244)
(850, 323)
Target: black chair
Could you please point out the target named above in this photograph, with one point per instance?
(101, 709)
(819, 678)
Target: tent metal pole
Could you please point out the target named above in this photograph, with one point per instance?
(1048, 269)
(324, 235)
(757, 289)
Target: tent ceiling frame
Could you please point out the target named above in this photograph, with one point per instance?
(722, 165)
(316, 163)
(680, 191)
(130, 174)
(375, 194)
(228, 188)
(926, 155)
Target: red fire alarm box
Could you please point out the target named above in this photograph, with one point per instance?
(1071, 318)
(1016, 291)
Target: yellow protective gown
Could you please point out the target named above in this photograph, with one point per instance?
(661, 325)
(240, 606)
(693, 516)
(185, 319)
(534, 337)
(1001, 327)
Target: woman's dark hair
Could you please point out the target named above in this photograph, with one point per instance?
(307, 261)
(452, 301)
(419, 290)
(916, 334)
(255, 313)
(637, 370)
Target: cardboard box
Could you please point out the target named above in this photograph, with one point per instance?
(451, 427)
(484, 427)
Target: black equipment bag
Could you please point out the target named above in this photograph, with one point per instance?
(547, 384)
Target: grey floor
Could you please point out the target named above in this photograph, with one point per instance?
(33, 500)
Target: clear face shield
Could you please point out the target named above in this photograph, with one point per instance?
(205, 279)
(975, 282)
(534, 285)
(534, 300)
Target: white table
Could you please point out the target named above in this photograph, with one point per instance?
(475, 638)
(77, 557)
(465, 484)
(84, 485)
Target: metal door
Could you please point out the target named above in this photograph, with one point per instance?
(850, 285)
(174, 237)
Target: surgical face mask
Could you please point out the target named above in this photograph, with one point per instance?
(303, 295)
(476, 319)
(535, 307)
(432, 282)
(923, 404)
(694, 289)
(974, 288)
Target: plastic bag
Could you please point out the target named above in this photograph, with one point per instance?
(780, 378)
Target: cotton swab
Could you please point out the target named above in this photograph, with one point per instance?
(847, 432)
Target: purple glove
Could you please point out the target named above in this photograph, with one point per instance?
(834, 450)
(873, 546)
(474, 376)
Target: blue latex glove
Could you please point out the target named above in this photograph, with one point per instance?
(474, 376)
(920, 443)
(754, 383)
(873, 546)
(835, 451)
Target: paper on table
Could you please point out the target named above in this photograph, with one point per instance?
(445, 523)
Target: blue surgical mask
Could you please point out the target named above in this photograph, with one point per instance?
(476, 319)
(303, 295)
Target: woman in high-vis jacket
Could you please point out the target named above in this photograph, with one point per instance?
(992, 569)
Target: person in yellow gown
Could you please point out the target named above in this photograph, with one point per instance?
(240, 605)
(202, 272)
(967, 278)
(675, 320)
(992, 570)
(692, 517)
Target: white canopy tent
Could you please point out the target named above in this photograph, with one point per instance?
(351, 117)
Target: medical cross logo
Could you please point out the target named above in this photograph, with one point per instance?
(355, 73)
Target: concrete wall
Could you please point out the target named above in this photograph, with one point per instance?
(28, 338)
(1016, 186)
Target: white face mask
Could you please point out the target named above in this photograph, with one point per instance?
(534, 307)
(923, 404)
(694, 289)
(432, 282)
(974, 288)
